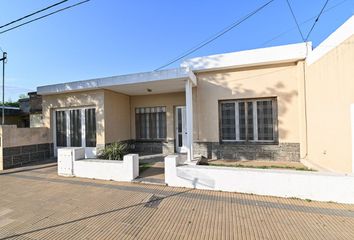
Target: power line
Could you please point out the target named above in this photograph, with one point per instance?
(297, 24)
(302, 23)
(31, 14)
(47, 15)
(214, 37)
(313, 26)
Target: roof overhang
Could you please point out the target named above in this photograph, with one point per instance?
(344, 32)
(249, 58)
(164, 81)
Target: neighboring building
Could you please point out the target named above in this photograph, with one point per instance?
(35, 110)
(285, 103)
(15, 116)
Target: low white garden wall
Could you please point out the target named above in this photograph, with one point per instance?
(280, 183)
(125, 170)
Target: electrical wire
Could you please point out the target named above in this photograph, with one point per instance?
(297, 24)
(46, 15)
(214, 37)
(302, 23)
(318, 17)
(34, 13)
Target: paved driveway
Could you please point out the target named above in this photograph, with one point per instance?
(37, 204)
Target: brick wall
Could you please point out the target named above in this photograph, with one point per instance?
(267, 152)
(18, 156)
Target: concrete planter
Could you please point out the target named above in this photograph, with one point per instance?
(280, 183)
(71, 162)
(125, 170)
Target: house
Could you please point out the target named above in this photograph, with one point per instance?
(288, 103)
(15, 115)
(35, 109)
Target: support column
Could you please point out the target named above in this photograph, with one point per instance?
(189, 118)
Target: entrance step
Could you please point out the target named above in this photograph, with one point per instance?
(154, 181)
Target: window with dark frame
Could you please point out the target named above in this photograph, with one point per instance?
(60, 117)
(250, 120)
(150, 123)
(70, 128)
(90, 127)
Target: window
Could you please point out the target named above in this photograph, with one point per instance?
(60, 117)
(76, 128)
(150, 123)
(248, 120)
(90, 127)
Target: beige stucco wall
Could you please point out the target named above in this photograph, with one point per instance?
(117, 116)
(169, 100)
(93, 98)
(36, 120)
(11, 136)
(279, 81)
(330, 92)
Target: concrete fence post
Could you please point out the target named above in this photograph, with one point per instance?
(171, 162)
(66, 159)
(131, 164)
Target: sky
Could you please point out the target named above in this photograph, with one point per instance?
(112, 37)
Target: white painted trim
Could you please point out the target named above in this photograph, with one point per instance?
(54, 129)
(255, 121)
(67, 118)
(83, 128)
(133, 79)
(189, 117)
(336, 38)
(254, 57)
(237, 121)
(352, 120)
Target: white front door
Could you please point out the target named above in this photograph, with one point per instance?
(181, 129)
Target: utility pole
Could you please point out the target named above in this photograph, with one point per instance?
(3, 59)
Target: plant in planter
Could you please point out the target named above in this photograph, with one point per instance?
(114, 151)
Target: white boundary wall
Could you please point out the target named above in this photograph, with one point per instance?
(71, 163)
(280, 183)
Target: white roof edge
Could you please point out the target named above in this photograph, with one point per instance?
(345, 31)
(135, 78)
(247, 58)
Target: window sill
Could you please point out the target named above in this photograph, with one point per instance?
(150, 140)
(249, 143)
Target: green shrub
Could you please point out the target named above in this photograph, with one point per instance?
(114, 151)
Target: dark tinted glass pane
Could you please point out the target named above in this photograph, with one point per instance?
(250, 120)
(162, 124)
(153, 125)
(90, 127)
(242, 120)
(228, 121)
(179, 123)
(137, 125)
(180, 140)
(150, 123)
(75, 128)
(60, 117)
(265, 120)
(140, 124)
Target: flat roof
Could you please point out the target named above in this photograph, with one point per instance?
(345, 31)
(134, 84)
(247, 58)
